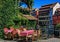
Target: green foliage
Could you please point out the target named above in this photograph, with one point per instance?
(1, 34)
(24, 10)
(7, 14)
(20, 20)
(31, 23)
(10, 16)
(29, 3)
(58, 25)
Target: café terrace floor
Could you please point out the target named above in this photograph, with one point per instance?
(46, 40)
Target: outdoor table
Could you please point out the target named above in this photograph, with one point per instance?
(9, 31)
(27, 34)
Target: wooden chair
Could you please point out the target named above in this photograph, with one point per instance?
(14, 34)
(6, 33)
(34, 36)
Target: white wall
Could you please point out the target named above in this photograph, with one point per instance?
(55, 7)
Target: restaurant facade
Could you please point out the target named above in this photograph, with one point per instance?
(46, 18)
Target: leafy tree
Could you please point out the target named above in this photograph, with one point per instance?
(29, 4)
(9, 15)
(24, 11)
(8, 11)
(27, 10)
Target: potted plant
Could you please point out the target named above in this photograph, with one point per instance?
(58, 27)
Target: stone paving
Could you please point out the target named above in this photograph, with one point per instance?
(48, 40)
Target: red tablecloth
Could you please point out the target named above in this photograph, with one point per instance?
(5, 30)
(26, 33)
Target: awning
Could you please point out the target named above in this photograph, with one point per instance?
(30, 17)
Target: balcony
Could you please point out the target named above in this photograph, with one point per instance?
(44, 10)
(43, 20)
(43, 16)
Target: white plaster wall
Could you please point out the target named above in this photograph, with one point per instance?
(55, 7)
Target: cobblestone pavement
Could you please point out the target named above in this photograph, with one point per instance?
(48, 40)
(6, 40)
